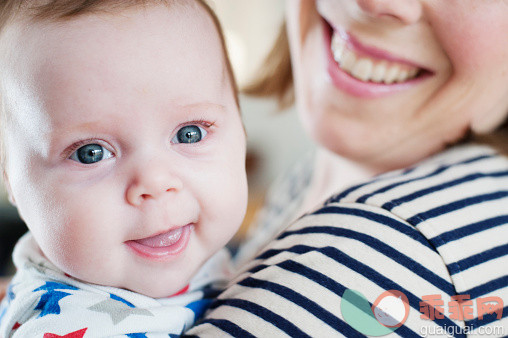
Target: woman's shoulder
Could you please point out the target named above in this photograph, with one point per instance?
(451, 181)
(441, 225)
(435, 230)
(445, 219)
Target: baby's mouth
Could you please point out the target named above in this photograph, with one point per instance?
(164, 245)
(367, 67)
(162, 240)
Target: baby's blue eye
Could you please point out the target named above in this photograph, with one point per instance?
(90, 153)
(189, 134)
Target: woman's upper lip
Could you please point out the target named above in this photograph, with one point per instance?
(371, 50)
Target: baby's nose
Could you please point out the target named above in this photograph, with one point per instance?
(151, 182)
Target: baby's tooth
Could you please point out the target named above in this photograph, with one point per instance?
(378, 72)
(391, 74)
(403, 76)
(362, 69)
(348, 60)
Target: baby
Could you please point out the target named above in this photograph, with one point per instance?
(124, 152)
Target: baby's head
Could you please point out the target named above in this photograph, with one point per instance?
(124, 147)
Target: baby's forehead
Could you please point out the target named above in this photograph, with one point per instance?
(146, 52)
(95, 40)
(57, 35)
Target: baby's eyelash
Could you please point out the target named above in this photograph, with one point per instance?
(76, 145)
(204, 123)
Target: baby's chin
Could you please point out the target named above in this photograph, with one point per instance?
(158, 285)
(151, 285)
(151, 279)
(162, 291)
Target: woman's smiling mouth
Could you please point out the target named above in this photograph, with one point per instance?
(350, 58)
(367, 71)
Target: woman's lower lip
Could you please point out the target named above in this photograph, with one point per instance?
(345, 82)
(164, 252)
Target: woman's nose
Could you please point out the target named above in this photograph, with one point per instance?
(152, 182)
(405, 11)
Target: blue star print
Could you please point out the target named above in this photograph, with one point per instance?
(10, 294)
(120, 299)
(48, 304)
(199, 307)
(8, 298)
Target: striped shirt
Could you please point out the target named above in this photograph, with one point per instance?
(437, 232)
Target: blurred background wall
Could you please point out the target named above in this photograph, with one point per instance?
(275, 139)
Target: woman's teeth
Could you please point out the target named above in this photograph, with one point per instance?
(366, 68)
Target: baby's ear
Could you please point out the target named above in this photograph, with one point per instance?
(7, 186)
(487, 122)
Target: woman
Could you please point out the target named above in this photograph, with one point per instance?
(409, 101)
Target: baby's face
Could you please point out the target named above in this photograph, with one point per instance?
(125, 147)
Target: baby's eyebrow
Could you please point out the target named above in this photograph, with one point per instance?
(85, 127)
(204, 105)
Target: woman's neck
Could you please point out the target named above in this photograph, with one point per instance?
(332, 174)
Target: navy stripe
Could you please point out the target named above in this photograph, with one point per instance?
(324, 281)
(346, 192)
(468, 178)
(309, 273)
(258, 268)
(379, 279)
(303, 302)
(228, 327)
(457, 205)
(488, 287)
(378, 178)
(478, 259)
(262, 312)
(487, 319)
(382, 248)
(434, 173)
(470, 229)
(417, 194)
(393, 223)
(355, 265)
(328, 283)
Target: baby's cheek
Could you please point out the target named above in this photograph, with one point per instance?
(228, 198)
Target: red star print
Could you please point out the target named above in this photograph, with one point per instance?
(16, 326)
(75, 334)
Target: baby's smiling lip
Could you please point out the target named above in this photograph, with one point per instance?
(163, 239)
(164, 244)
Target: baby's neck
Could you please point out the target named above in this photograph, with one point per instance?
(332, 174)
